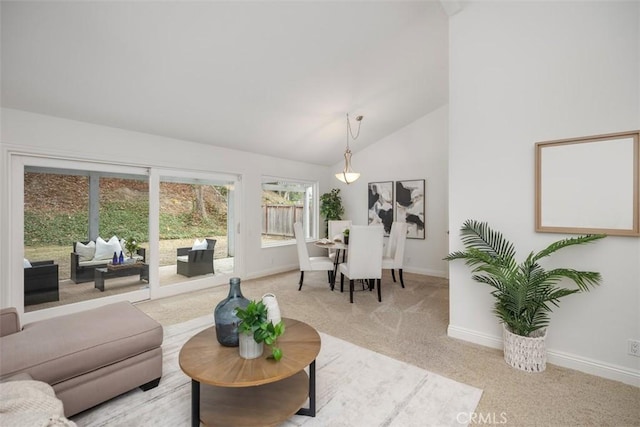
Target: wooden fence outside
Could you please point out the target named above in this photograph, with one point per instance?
(278, 220)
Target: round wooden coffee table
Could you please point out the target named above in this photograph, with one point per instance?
(229, 390)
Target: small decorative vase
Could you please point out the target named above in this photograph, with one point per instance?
(346, 240)
(225, 316)
(249, 348)
(273, 311)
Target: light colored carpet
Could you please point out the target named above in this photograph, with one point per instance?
(411, 325)
(355, 387)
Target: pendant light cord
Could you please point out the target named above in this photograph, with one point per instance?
(350, 132)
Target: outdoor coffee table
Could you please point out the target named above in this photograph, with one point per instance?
(229, 390)
(119, 270)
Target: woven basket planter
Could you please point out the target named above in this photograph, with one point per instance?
(525, 353)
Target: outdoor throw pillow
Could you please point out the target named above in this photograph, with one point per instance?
(105, 250)
(27, 264)
(199, 244)
(86, 252)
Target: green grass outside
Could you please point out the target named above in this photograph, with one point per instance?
(120, 218)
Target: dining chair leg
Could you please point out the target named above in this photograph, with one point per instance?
(401, 279)
(393, 275)
(301, 279)
(341, 282)
(379, 290)
(351, 290)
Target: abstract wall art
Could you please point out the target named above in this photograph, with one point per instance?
(410, 207)
(381, 204)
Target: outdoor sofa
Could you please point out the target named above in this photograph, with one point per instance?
(83, 263)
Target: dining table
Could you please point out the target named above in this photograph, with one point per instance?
(341, 249)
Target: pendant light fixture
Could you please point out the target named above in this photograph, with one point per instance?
(348, 175)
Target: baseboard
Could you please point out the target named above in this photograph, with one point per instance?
(270, 271)
(286, 268)
(566, 360)
(426, 271)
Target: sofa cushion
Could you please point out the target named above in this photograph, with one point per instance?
(86, 252)
(105, 250)
(64, 347)
(199, 245)
(94, 263)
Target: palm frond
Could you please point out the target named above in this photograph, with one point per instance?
(556, 246)
(583, 279)
(478, 235)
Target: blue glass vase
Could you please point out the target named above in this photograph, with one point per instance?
(225, 316)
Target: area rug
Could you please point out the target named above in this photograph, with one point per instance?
(354, 387)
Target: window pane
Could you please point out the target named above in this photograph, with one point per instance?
(283, 204)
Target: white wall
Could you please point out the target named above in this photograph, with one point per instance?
(417, 151)
(525, 72)
(34, 133)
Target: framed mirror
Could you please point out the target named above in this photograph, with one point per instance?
(588, 185)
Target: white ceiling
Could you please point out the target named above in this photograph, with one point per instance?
(268, 77)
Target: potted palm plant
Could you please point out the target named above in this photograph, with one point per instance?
(331, 207)
(525, 292)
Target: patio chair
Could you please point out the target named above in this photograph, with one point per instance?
(196, 262)
(41, 283)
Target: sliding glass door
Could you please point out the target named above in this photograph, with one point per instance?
(76, 218)
(87, 233)
(196, 239)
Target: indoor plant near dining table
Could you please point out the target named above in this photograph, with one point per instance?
(524, 292)
(254, 330)
(331, 207)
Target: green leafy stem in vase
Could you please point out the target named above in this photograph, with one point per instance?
(253, 321)
(131, 246)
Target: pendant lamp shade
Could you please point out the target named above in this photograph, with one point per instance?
(347, 175)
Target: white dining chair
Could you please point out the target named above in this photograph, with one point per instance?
(308, 263)
(336, 228)
(365, 258)
(393, 257)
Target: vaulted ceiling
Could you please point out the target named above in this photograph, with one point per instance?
(263, 76)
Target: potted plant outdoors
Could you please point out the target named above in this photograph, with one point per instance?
(254, 330)
(524, 292)
(331, 207)
(131, 246)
